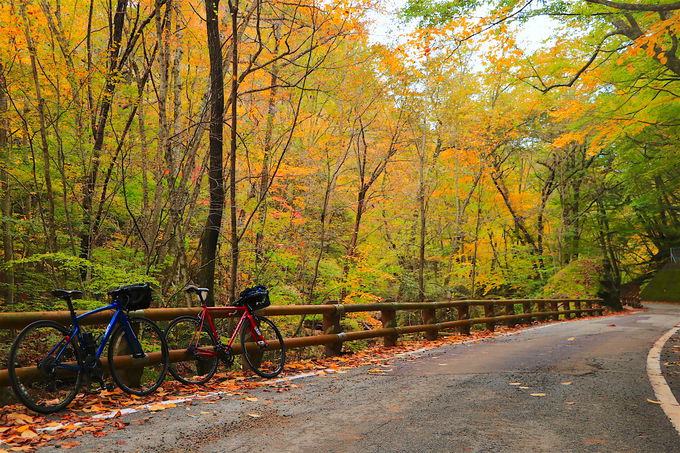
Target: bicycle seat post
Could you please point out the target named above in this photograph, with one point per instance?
(66, 296)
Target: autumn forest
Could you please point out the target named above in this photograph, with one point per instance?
(226, 143)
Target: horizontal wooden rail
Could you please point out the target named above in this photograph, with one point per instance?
(333, 337)
(22, 319)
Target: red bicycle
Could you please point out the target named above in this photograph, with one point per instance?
(261, 342)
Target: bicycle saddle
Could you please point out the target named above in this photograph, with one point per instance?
(193, 289)
(63, 294)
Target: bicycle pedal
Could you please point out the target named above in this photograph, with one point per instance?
(90, 391)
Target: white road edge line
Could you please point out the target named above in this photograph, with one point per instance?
(661, 389)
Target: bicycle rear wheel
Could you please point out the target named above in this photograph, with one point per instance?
(45, 367)
(265, 356)
(183, 335)
(138, 375)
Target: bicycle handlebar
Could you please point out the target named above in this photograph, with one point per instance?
(193, 289)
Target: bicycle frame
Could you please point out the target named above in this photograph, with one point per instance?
(205, 315)
(117, 318)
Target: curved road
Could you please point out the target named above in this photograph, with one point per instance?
(589, 377)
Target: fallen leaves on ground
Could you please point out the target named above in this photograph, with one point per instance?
(22, 430)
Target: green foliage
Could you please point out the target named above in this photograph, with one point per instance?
(431, 13)
(285, 295)
(664, 286)
(579, 279)
(47, 271)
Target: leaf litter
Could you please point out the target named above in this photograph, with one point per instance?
(99, 414)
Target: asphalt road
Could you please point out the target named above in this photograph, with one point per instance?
(588, 376)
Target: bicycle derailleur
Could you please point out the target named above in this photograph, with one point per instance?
(226, 354)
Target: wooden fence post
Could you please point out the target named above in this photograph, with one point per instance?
(489, 312)
(566, 306)
(429, 317)
(331, 324)
(541, 309)
(555, 307)
(577, 306)
(389, 320)
(510, 310)
(526, 308)
(464, 313)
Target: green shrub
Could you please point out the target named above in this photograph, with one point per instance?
(579, 279)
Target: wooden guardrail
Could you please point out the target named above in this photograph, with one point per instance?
(494, 312)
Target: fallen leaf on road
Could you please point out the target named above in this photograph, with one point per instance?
(654, 401)
(70, 445)
(571, 339)
(565, 383)
(250, 398)
(570, 403)
(161, 407)
(28, 434)
(254, 415)
(19, 417)
(611, 325)
(538, 394)
(523, 387)
(515, 383)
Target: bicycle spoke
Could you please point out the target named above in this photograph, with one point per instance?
(44, 367)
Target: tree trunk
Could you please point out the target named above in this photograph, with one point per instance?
(51, 231)
(211, 231)
(473, 274)
(422, 208)
(233, 279)
(264, 177)
(611, 281)
(100, 124)
(7, 275)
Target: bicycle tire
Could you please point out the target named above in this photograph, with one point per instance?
(142, 376)
(45, 392)
(180, 335)
(267, 362)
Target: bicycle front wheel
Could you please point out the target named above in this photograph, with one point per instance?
(183, 336)
(264, 351)
(138, 374)
(45, 367)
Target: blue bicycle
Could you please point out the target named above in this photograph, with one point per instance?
(49, 362)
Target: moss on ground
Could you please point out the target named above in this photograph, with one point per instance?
(664, 286)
